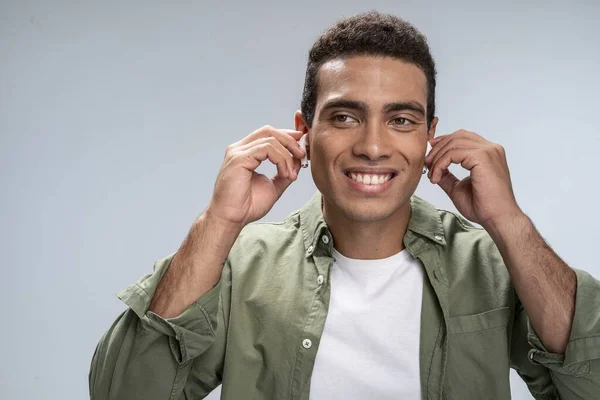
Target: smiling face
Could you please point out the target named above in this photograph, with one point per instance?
(369, 135)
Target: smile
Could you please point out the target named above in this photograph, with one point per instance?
(368, 183)
(369, 179)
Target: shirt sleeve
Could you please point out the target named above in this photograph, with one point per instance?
(575, 374)
(145, 356)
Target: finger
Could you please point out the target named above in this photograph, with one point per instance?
(472, 135)
(448, 181)
(289, 159)
(440, 143)
(297, 167)
(258, 152)
(443, 148)
(437, 139)
(436, 144)
(281, 184)
(294, 171)
(263, 131)
(294, 146)
(288, 137)
(456, 156)
(462, 133)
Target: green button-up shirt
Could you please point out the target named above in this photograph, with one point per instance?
(257, 331)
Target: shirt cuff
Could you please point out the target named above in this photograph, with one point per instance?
(584, 339)
(191, 332)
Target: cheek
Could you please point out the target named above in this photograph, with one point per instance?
(326, 151)
(412, 155)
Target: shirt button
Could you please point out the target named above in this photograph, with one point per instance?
(320, 279)
(310, 249)
(325, 239)
(438, 238)
(306, 343)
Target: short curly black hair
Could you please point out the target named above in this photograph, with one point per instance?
(371, 34)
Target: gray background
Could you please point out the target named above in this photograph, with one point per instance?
(114, 118)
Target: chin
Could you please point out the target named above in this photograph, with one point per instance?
(363, 210)
(366, 212)
(370, 216)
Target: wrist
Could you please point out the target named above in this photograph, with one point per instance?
(196, 267)
(220, 224)
(211, 237)
(507, 225)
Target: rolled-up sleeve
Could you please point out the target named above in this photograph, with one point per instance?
(575, 374)
(146, 356)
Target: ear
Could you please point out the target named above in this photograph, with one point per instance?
(302, 126)
(300, 122)
(431, 130)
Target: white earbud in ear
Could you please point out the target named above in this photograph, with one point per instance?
(426, 154)
(302, 143)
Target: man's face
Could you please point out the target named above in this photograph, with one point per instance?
(369, 125)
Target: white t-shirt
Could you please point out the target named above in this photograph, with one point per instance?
(370, 343)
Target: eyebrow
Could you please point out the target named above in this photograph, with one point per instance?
(341, 103)
(405, 106)
(364, 107)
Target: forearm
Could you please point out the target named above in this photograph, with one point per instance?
(544, 283)
(144, 356)
(196, 267)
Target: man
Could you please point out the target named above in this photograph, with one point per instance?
(367, 292)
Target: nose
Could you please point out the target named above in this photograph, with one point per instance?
(373, 142)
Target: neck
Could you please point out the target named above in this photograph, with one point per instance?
(367, 240)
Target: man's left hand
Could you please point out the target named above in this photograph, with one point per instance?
(486, 196)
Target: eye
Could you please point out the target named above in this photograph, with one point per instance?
(343, 118)
(401, 121)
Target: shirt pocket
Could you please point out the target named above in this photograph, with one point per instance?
(478, 360)
(495, 318)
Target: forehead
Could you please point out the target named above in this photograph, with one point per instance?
(371, 79)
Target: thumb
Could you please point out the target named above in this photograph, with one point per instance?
(281, 184)
(448, 181)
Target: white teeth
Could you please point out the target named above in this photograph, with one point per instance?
(369, 179)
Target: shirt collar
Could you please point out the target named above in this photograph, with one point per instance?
(425, 220)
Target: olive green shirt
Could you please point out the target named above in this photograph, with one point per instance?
(257, 331)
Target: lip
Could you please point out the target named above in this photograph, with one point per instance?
(367, 170)
(369, 189)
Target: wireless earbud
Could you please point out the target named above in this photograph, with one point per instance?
(302, 143)
(426, 154)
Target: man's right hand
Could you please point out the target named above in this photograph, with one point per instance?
(241, 195)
